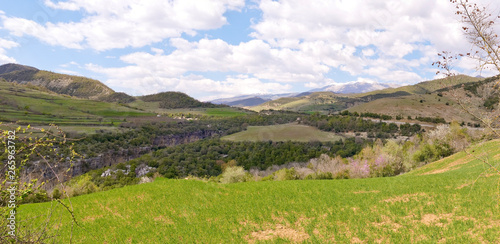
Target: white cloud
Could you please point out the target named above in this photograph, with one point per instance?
(391, 29)
(4, 45)
(125, 23)
(294, 42)
(255, 58)
(140, 81)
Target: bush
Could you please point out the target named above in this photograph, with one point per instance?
(234, 174)
(56, 194)
(81, 185)
(286, 174)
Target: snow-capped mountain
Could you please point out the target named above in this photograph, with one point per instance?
(355, 87)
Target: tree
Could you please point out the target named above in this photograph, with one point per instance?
(20, 148)
(479, 29)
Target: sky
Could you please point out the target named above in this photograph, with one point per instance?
(213, 49)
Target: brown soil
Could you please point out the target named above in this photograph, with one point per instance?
(450, 166)
(280, 231)
(405, 198)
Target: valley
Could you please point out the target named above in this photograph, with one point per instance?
(242, 121)
(314, 167)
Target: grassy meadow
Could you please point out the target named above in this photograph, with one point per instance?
(215, 112)
(29, 106)
(454, 200)
(286, 132)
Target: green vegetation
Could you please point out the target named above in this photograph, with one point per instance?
(356, 124)
(286, 132)
(204, 158)
(118, 97)
(28, 106)
(224, 112)
(172, 100)
(424, 99)
(421, 88)
(60, 83)
(324, 102)
(451, 200)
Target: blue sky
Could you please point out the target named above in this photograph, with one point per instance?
(221, 48)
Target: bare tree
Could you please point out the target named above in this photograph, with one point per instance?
(479, 29)
(18, 148)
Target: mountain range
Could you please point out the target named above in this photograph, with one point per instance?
(425, 99)
(339, 88)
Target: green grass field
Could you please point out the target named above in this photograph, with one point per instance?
(454, 200)
(28, 106)
(286, 132)
(215, 112)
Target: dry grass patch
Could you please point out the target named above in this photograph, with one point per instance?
(432, 219)
(387, 223)
(497, 157)
(463, 186)
(450, 166)
(163, 219)
(405, 198)
(365, 192)
(279, 231)
(91, 218)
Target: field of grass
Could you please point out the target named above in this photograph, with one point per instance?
(154, 107)
(28, 106)
(454, 200)
(224, 112)
(286, 132)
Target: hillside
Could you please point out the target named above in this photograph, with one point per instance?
(420, 88)
(285, 132)
(317, 101)
(76, 86)
(26, 105)
(248, 102)
(355, 87)
(172, 100)
(453, 200)
(426, 99)
(7, 68)
(433, 102)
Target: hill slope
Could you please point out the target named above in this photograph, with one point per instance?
(420, 100)
(317, 101)
(441, 202)
(429, 101)
(7, 68)
(171, 100)
(284, 132)
(22, 104)
(77, 86)
(355, 87)
(420, 88)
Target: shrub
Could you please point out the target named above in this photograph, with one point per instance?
(233, 174)
(286, 174)
(56, 194)
(359, 169)
(81, 185)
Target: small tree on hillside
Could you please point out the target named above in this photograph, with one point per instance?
(45, 153)
(479, 28)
